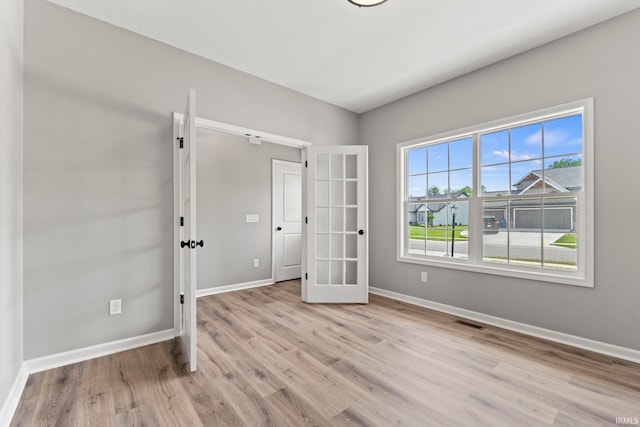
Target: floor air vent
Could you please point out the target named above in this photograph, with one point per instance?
(469, 324)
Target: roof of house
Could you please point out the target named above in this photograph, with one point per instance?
(563, 179)
(437, 207)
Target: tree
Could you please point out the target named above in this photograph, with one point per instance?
(467, 190)
(434, 190)
(565, 163)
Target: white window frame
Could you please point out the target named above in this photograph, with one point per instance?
(584, 276)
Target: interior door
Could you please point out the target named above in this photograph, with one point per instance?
(287, 220)
(335, 260)
(189, 243)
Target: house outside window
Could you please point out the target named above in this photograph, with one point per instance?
(511, 197)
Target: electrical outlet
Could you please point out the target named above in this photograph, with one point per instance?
(423, 277)
(256, 263)
(115, 307)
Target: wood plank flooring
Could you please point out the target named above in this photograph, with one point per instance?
(267, 359)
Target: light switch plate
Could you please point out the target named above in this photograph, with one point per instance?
(252, 218)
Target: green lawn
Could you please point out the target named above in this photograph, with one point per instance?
(436, 233)
(568, 240)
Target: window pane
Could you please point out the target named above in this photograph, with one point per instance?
(337, 219)
(495, 236)
(351, 193)
(443, 237)
(336, 273)
(494, 180)
(322, 246)
(438, 157)
(417, 187)
(563, 136)
(322, 193)
(494, 147)
(562, 174)
(525, 238)
(417, 161)
(438, 184)
(351, 246)
(337, 193)
(458, 235)
(337, 246)
(351, 166)
(351, 219)
(322, 220)
(337, 169)
(351, 272)
(322, 272)
(437, 224)
(526, 177)
(322, 166)
(461, 154)
(526, 142)
(417, 218)
(461, 182)
(560, 239)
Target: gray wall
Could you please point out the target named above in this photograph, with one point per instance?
(234, 179)
(98, 169)
(11, 63)
(601, 62)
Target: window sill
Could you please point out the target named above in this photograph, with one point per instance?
(520, 273)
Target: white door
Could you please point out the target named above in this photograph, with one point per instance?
(287, 220)
(189, 243)
(335, 260)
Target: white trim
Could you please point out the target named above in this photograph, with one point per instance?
(246, 132)
(231, 288)
(13, 398)
(625, 353)
(530, 273)
(80, 355)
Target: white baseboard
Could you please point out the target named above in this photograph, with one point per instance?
(548, 334)
(13, 398)
(80, 355)
(230, 288)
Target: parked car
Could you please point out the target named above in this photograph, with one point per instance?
(490, 224)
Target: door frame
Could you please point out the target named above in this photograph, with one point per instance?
(274, 162)
(203, 123)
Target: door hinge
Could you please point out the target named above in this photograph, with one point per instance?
(181, 221)
(181, 298)
(306, 164)
(306, 220)
(306, 276)
(181, 140)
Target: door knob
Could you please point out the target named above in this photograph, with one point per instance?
(278, 228)
(200, 243)
(187, 244)
(361, 232)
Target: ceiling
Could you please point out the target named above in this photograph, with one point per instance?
(356, 58)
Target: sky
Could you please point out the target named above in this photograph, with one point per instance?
(505, 156)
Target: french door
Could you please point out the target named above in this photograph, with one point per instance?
(188, 243)
(335, 259)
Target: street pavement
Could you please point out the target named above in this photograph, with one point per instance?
(521, 244)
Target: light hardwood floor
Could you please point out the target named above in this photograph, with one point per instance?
(265, 358)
